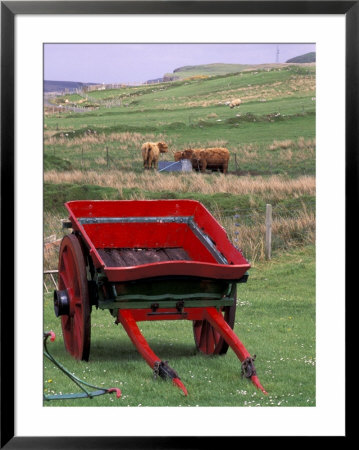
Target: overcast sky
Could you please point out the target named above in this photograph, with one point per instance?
(123, 63)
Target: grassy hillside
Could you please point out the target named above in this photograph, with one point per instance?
(205, 70)
(306, 58)
(277, 105)
(220, 69)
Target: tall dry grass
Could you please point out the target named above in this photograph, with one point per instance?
(52, 227)
(123, 140)
(276, 187)
(287, 232)
(301, 143)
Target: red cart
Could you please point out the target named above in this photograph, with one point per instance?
(150, 260)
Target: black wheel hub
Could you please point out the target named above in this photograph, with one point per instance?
(61, 303)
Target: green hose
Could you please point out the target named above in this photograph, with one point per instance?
(80, 383)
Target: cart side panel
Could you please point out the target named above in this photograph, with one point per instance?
(208, 224)
(196, 250)
(131, 208)
(179, 268)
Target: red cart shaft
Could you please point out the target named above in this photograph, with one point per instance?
(217, 321)
(130, 325)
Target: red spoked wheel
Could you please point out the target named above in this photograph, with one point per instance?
(73, 292)
(207, 339)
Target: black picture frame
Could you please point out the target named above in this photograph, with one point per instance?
(9, 9)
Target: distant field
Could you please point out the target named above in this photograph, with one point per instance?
(277, 106)
(254, 85)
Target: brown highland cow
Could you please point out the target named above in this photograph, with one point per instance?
(151, 153)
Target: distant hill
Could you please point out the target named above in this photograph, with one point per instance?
(306, 58)
(205, 69)
(156, 80)
(221, 69)
(61, 86)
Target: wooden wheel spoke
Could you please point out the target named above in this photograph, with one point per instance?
(67, 323)
(207, 339)
(77, 301)
(63, 280)
(216, 336)
(210, 338)
(75, 277)
(202, 336)
(74, 338)
(78, 325)
(66, 266)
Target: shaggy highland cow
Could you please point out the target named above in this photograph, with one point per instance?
(151, 153)
(186, 154)
(206, 158)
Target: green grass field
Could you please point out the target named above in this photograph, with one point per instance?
(275, 320)
(95, 154)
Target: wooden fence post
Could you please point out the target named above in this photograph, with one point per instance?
(268, 249)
